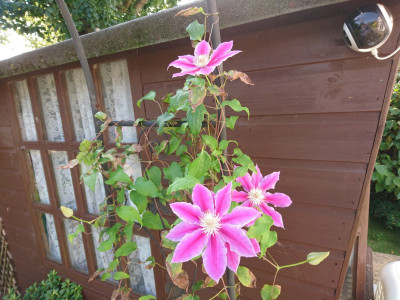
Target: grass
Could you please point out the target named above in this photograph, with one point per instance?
(381, 239)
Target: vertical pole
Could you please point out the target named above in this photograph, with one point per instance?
(216, 40)
(82, 58)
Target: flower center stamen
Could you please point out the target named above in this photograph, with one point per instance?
(201, 60)
(256, 196)
(210, 223)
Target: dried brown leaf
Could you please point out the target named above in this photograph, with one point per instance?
(233, 75)
(72, 163)
(95, 274)
(181, 279)
(189, 11)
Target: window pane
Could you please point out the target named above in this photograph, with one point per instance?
(50, 237)
(50, 110)
(81, 109)
(37, 176)
(63, 178)
(117, 97)
(142, 279)
(76, 249)
(94, 199)
(23, 107)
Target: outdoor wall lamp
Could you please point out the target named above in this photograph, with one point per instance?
(368, 28)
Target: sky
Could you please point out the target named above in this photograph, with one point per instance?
(18, 45)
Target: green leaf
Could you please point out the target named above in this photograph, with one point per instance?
(315, 258)
(200, 166)
(174, 143)
(79, 229)
(149, 96)
(195, 30)
(152, 221)
(85, 146)
(166, 243)
(154, 174)
(268, 239)
(118, 176)
(181, 150)
(173, 171)
(246, 277)
(210, 141)
(261, 226)
(236, 106)
(129, 214)
(382, 169)
(105, 276)
(177, 102)
(146, 187)
(184, 183)
(269, 293)
(197, 95)
(165, 117)
(101, 116)
(128, 230)
(121, 275)
(139, 200)
(224, 144)
(147, 297)
(197, 286)
(231, 121)
(90, 180)
(396, 181)
(176, 268)
(106, 245)
(195, 119)
(126, 249)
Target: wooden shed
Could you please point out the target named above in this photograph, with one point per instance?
(317, 114)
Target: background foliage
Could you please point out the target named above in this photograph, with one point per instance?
(42, 17)
(385, 191)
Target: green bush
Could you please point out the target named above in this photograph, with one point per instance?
(53, 288)
(385, 192)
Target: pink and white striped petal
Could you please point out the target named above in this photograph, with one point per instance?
(238, 240)
(190, 246)
(233, 259)
(223, 199)
(217, 61)
(189, 213)
(256, 177)
(246, 182)
(276, 217)
(269, 181)
(256, 245)
(203, 198)
(239, 196)
(180, 230)
(214, 257)
(278, 199)
(202, 48)
(240, 216)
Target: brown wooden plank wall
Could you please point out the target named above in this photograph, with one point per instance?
(314, 110)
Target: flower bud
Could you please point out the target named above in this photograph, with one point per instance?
(67, 212)
(314, 258)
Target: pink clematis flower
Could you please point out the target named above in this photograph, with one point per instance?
(256, 195)
(202, 62)
(206, 224)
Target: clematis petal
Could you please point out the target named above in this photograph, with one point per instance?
(202, 197)
(205, 70)
(240, 216)
(188, 57)
(238, 240)
(190, 246)
(183, 64)
(180, 230)
(220, 52)
(239, 196)
(246, 182)
(202, 48)
(247, 204)
(189, 213)
(216, 62)
(214, 257)
(256, 245)
(278, 199)
(269, 181)
(276, 217)
(256, 177)
(233, 259)
(223, 199)
(186, 72)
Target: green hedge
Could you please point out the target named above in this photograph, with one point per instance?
(385, 188)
